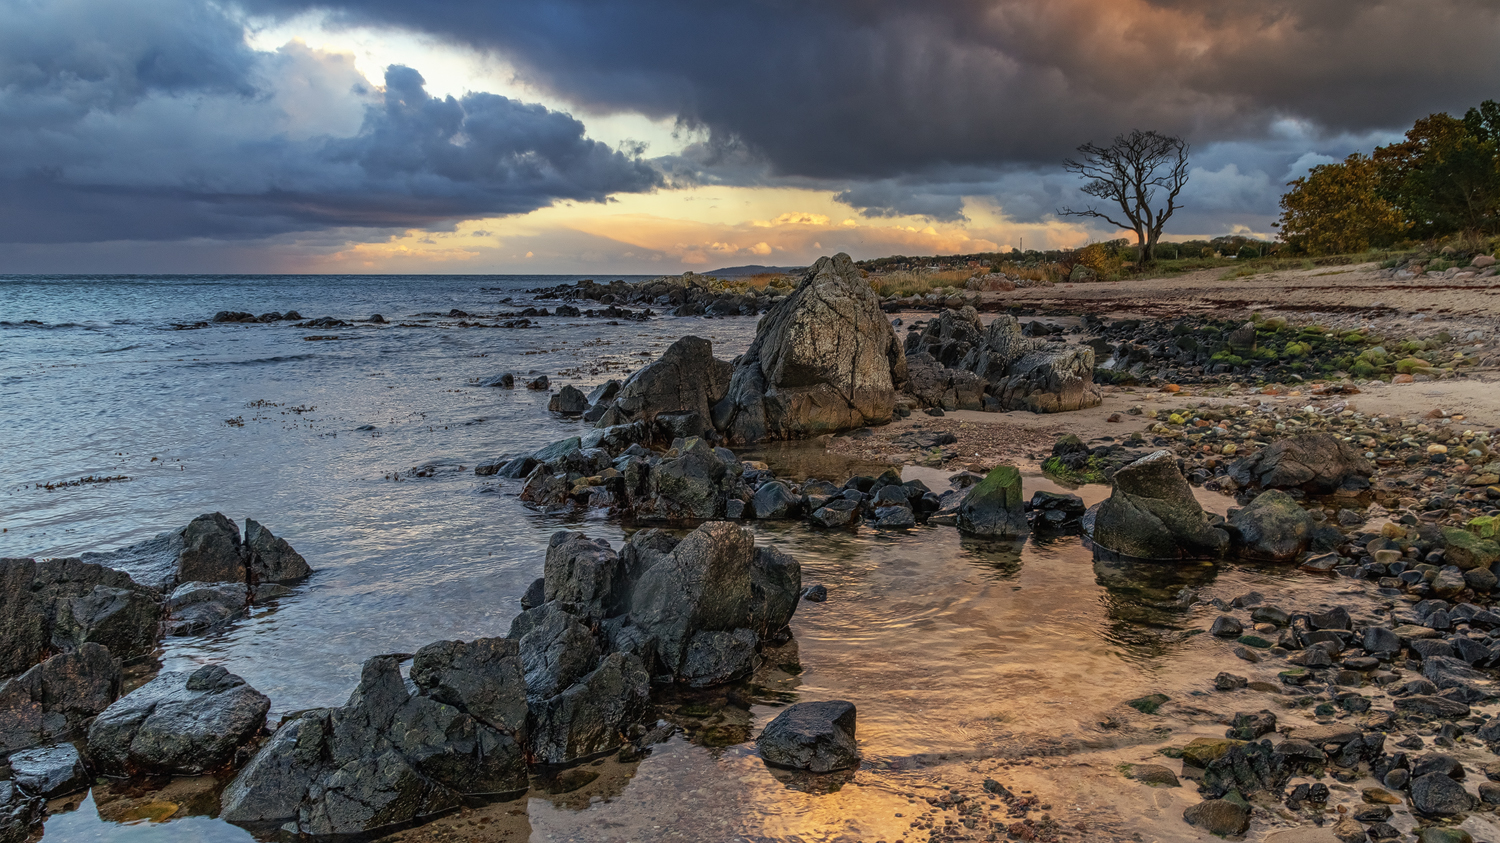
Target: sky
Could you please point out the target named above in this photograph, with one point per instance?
(658, 136)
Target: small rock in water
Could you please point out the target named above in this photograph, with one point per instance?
(815, 736)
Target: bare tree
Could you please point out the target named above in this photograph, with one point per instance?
(1130, 173)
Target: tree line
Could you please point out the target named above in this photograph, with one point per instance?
(1442, 179)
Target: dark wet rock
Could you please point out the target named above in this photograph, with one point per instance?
(60, 604)
(1249, 768)
(569, 401)
(1436, 794)
(1316, 463)
(774, 500)
(178, 723)
(1273, 527)
(208, 549)
(1226, 627)
(1055, 510)
(20, 813)
(57, 697)
(196, 607)
(540, 383)
(690, 486)
(505, 381)
(1151, 514)
(1378, 639)
(1437, 707)
(1247, 726)
(839, 512)
(556, 647)
(716, 657)
(936, 386)
(393, 754)
(715, 580)
(1438, 762)
(585, 574)
(686, 378)
(1229, 682)
(1027, 374)
(1200, 752)
(993, 508)
(1218, 816)
(590, 716)
(814, 736)
(824, 359)
(50, 771)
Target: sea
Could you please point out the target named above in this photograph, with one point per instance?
(125, 417)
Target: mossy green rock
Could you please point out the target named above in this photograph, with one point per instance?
(993, 508)
(1200, 752)
(1273, 527)
(1150, 703)
(1434, 834)
(1469, 551)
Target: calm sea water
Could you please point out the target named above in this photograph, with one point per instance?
(951, 649)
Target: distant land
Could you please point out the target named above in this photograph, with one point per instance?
(751, 269)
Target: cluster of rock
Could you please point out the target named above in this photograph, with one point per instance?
(240, 317)
(685, 295)
(570, 681)
(956, 363)
(66, 627)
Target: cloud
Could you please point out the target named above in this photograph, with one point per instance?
(156, 121)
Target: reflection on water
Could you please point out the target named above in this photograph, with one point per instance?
(953, 649)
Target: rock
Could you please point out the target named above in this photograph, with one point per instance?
(1226, 627)
(20, 813)
(1347, 830)
(686, 378)
(936, 386)
(199, 606)
(690, 487)
(585, 574)
(178, 723)
(271, 559)
(894, 518)
(393, 753)
(556, 650)
(839, 512)
(993, 508)
(715, 580)
(814, 736)
(1438, 707)
(590, 716)
(1273, 527)
(774, 500)
(57, 697)
(1200, 752)
(539, 384)
(505, 381)
(1435, 794)
(714, 658)
(569, 401)
(50, 771)
(1439, 834)
(1247, 726)
(1218, 816)
(1154, 775)
(1029, 374)
(1151, 514)
(824, 359)
(1468, 551)
(1482, 262)
(1316, 463)
(60, 604)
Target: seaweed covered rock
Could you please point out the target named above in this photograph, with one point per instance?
(1316, 463)
(391, 755)
(686, 378)
(993, 507)
(178, 723)
(824, 359)
(1151, 514)
(1273, 527)
(58, 605)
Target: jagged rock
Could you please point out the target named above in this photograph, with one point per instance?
(591, 715)
(198, 606)
(569, 401)
(1316, 463)
(690, 486)
(937, 386)
(50, 771)
(814, 736)
(56, 697)
(586, 574)
(1273, 527)
(715, 580)
(824, 359)
(1028, 374)
(1151, 514)
(1248, 768)
(389, 755)
(178, 723)
(208, 549)
(839, 512)
(716, 657)
(20, 813)
(271, 559)
(60, 604)
(993, 508)
(774, 500)
(687, 377)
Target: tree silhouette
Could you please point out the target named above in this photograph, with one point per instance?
(1130, 173)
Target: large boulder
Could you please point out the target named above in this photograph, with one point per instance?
(1023, 373)
(57, 605)
(686, 378)
(1273, 527)
(591, 715)
(1316, 463)
(824, 359)
(715, 580)
(993, 507)
(814, 736)
(1151, 514)
(690, 484)
(208, 549)
(57, 697)
(584, 573)
(178, 723)
(394, 754)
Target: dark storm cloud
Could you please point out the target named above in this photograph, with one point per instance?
(156, 121)
(875, 89)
